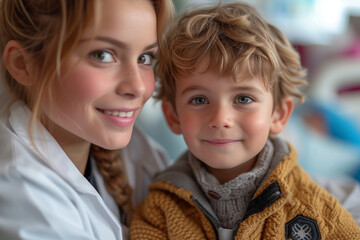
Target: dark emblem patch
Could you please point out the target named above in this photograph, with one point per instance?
(302, 228)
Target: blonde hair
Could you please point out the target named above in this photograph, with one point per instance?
(234, 40)
(49, 30)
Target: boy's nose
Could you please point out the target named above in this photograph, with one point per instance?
(132, 83)
(221, 117)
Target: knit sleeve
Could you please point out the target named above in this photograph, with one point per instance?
(169, 213)
(148, 221)
(343, 227)
(337, 222)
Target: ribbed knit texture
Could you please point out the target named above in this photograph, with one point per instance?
(235, 195)
(169, 212)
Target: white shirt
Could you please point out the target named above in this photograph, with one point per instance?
(44, 196)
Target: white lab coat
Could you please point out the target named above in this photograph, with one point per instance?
(44, 196)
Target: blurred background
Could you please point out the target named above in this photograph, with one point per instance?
(326, 129)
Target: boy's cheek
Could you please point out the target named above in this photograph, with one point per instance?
(189, 121)
(258, 123)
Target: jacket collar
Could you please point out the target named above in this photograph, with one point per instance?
(272, 194)
(181, 175)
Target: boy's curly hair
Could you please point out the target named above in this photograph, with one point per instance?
(234, 40)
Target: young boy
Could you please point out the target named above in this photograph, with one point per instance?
(229, 83)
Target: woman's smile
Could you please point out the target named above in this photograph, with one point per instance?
(120, 118)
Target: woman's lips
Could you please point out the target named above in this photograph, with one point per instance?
(122, 114)
(121, 117)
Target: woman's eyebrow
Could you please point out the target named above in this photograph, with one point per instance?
(118, 43)
(113, 41)
(154, 45)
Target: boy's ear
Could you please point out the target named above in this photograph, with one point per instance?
(16, 61)
(171, 117)
(281, 115)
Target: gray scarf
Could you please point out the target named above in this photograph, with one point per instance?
(233, 197)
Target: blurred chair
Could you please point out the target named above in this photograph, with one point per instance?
(338, 82)
(326, 129)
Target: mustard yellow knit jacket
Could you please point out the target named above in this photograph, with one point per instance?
(298, 209)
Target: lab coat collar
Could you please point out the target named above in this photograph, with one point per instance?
(47, 149)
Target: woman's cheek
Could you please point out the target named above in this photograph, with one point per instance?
(149, 85)
(85, 85)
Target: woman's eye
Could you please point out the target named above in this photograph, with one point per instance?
(199, 101)
(146, 59)
(243, 100)
(102, 56)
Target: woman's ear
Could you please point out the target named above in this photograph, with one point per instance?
(17, 61)
(171, 117)
(281, 115)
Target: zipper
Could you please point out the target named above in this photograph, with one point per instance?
(258, 204)
(216, 225)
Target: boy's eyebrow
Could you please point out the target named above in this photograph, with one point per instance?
(248, 88)
(191, 88)
(118, 43)
(238, 88)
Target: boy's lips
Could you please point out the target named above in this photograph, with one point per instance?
(221, 141)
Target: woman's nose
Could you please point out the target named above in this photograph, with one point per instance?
(132, 83)
(221, 117)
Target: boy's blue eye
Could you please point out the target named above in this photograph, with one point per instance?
(199, 101)
(146, 59)
(243, 100)
(102, 56)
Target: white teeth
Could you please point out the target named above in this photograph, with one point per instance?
(119, 114)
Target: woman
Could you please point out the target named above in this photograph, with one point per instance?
(79, 73)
